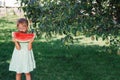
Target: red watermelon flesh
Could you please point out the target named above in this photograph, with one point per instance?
(23, 37)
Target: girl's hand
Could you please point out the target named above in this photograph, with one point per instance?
(30, 44)
(17, 45)
(14, 40)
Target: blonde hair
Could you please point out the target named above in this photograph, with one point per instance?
(22, 21)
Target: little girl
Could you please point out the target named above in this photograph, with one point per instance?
(22, 59)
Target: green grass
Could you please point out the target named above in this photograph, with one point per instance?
(8, 22)
(7, 25)
(57, 62)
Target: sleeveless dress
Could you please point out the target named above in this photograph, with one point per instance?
(22, 60)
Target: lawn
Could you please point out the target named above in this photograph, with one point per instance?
(57, 62)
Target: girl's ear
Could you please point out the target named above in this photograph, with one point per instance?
(27, 28)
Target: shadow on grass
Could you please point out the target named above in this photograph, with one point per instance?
(57, 62)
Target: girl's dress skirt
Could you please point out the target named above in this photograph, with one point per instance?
(22, 60)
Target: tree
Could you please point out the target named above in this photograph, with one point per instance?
(71, 17)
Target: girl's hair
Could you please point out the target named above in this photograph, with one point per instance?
(22, 21)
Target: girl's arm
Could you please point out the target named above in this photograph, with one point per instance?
(30, 44)
(17, 45)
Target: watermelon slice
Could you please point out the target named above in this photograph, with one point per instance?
(23, 37)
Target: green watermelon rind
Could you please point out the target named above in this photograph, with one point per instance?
(21, 40)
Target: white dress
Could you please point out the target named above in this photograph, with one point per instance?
(22, 60)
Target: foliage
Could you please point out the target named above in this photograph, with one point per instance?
(70, 17)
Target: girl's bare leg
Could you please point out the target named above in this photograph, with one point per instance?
(28, 76)
(18, 76)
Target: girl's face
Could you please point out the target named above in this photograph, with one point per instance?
(22, 28)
